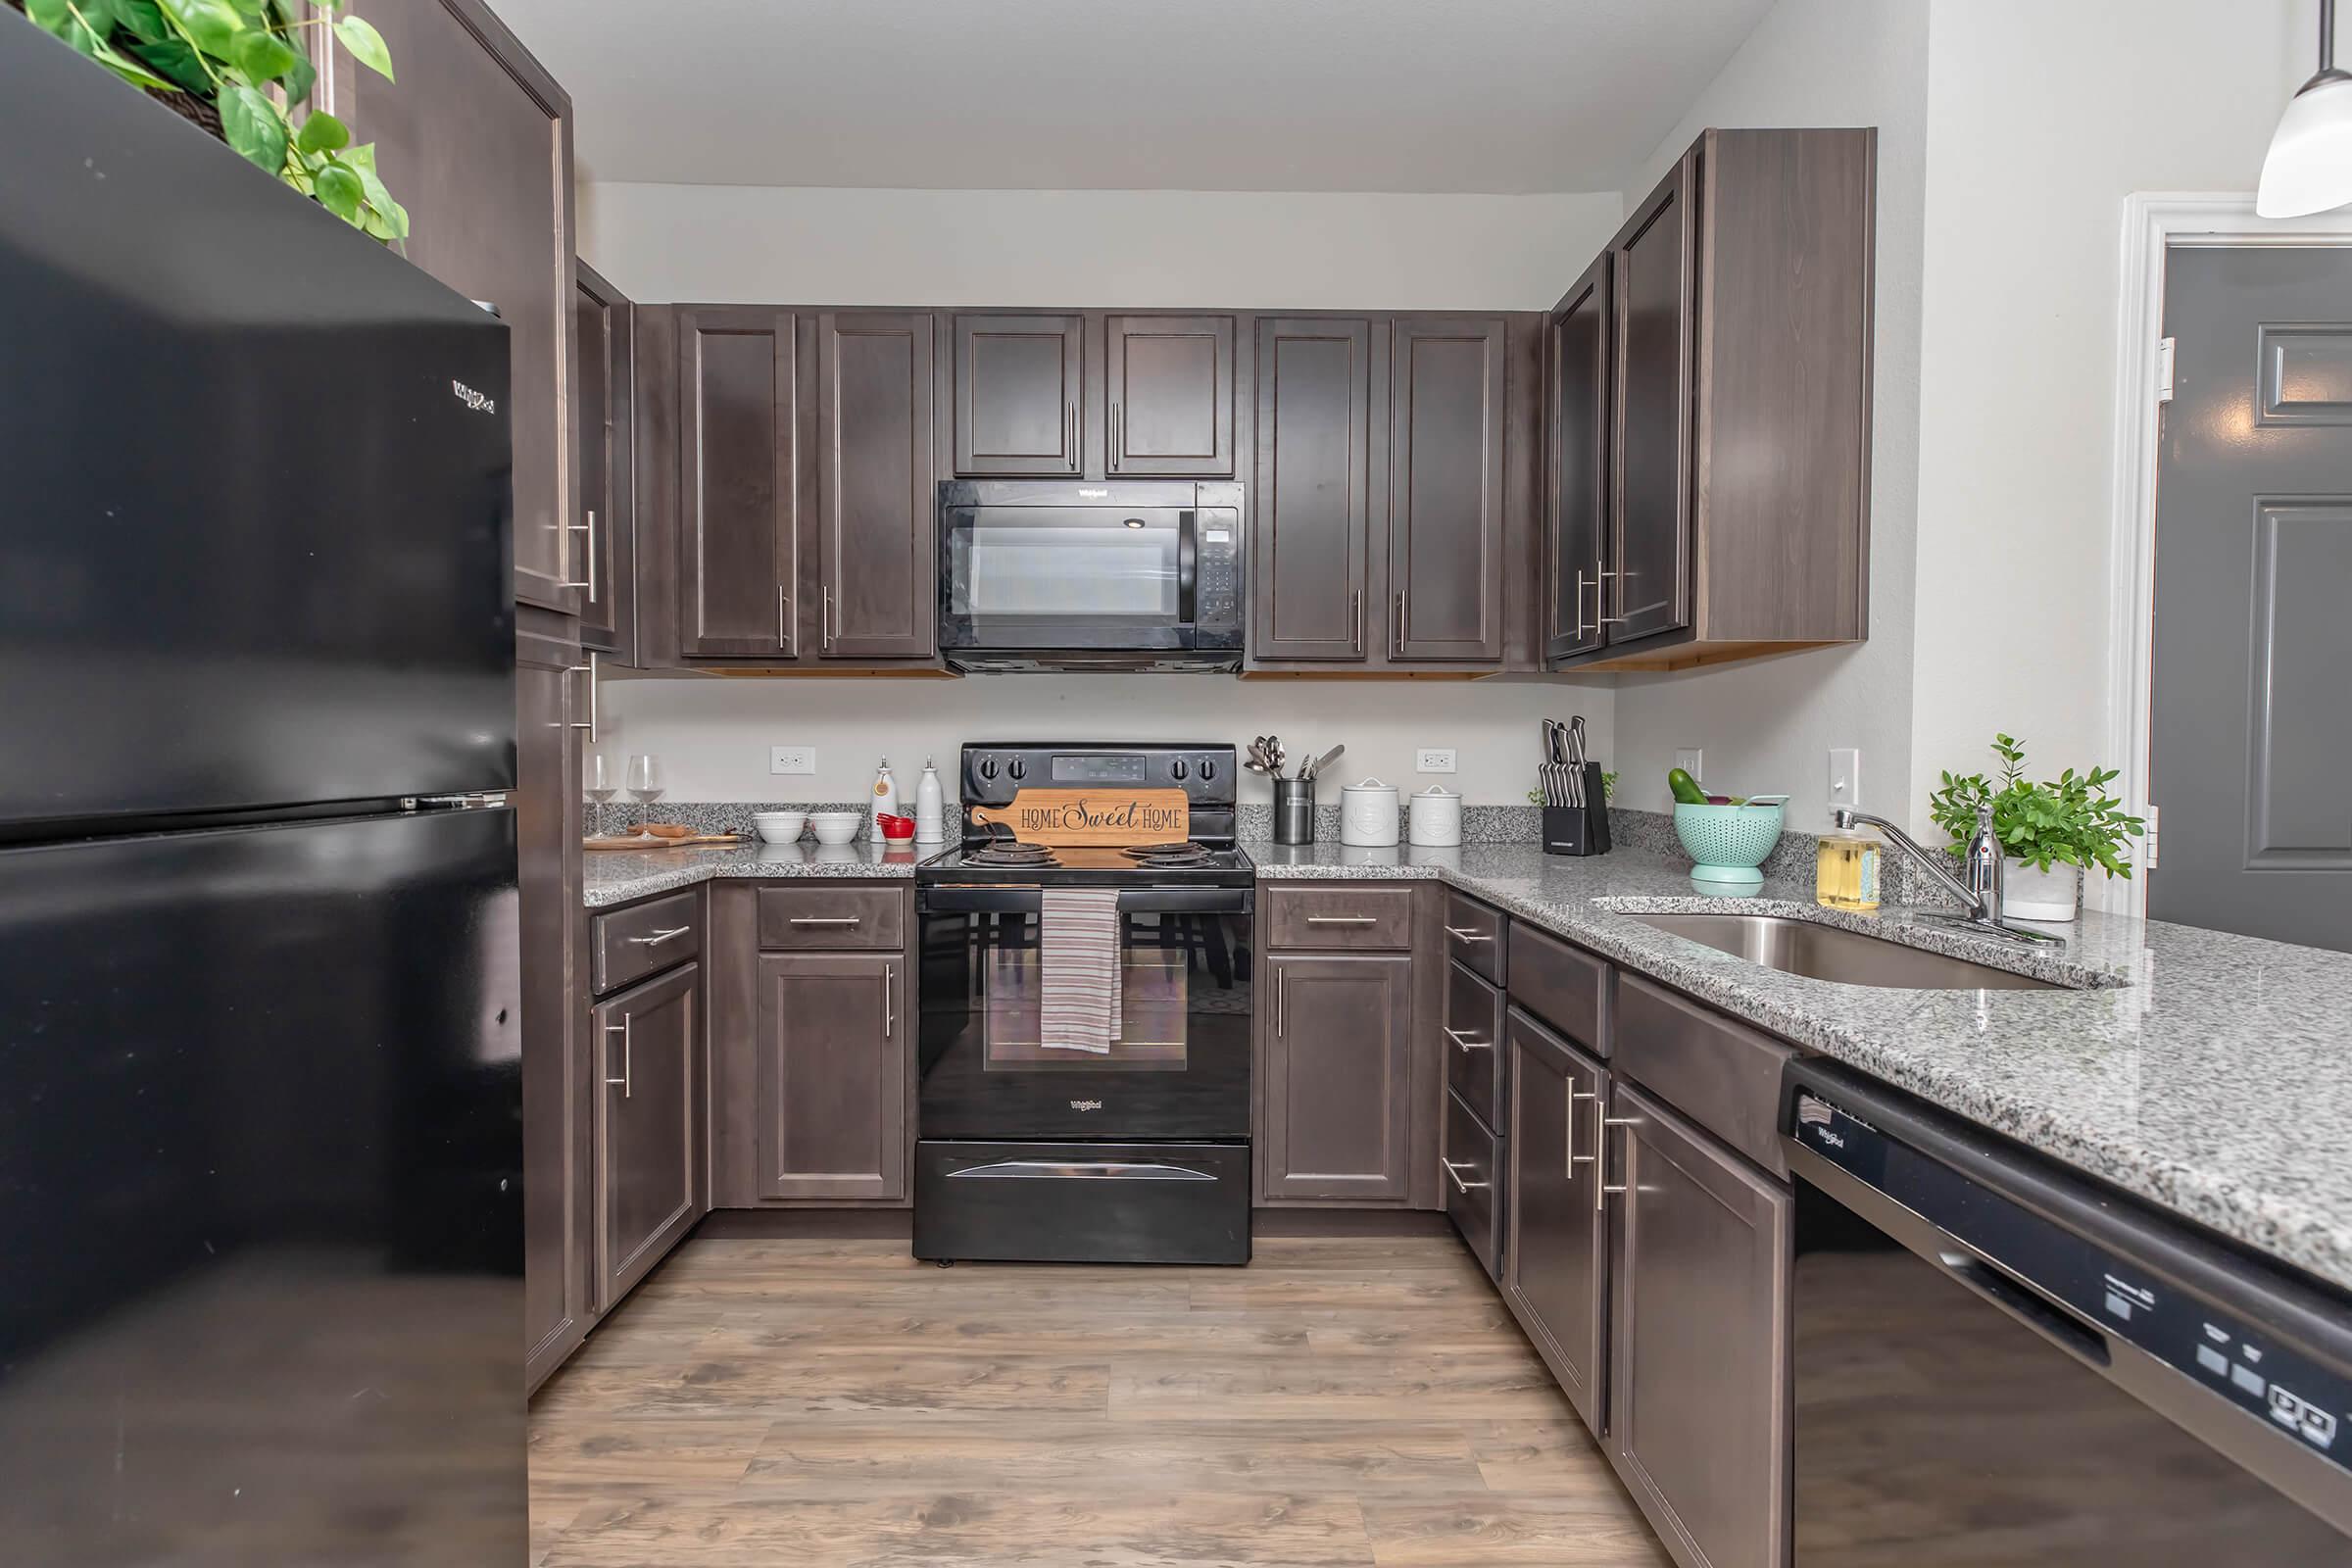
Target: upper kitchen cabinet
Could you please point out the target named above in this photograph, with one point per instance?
(476, 140)
(1019, 396)
(876, 513)
(603, 328)
(1168, 386)
(1311, 539)
(1445, 490)
(1737, 388)
(738, 422)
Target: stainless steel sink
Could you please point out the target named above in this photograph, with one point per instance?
(1833, 952)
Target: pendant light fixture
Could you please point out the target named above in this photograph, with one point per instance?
(2310, 165)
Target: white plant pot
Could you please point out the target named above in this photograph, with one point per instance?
(2029, 892)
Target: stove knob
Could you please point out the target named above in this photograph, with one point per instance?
(1177, 770)
(988, 768)
(1209, 769)
(1017, 768)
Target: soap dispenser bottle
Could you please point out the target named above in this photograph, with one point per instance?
(930, 807)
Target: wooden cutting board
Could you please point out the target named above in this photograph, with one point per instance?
(640, 841)
(1074, 818)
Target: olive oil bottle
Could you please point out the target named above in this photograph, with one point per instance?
(1846, 871)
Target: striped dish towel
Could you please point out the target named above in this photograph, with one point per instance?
(1078, 948)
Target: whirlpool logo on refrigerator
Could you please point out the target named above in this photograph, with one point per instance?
(479, 402)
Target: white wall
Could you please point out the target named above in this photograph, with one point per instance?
(1238, 249)
(2041, 120)
(1768, 726)
(712, 735)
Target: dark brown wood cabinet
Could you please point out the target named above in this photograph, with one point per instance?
(1333, 1078)
(1556, 1252)
(1578, 342)
(1311, 508)
(603, 322)
(1168, 386)
(476, 139)
(1019, 395)
(739, 481)
(877, 499)
(831, 1076)
(1737, 390)
(1445, 490)
(650, 1187)
(1699, 1376)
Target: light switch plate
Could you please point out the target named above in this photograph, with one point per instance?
(792, 760)
(1434, 760)
(1692, 761)
(1845, 776)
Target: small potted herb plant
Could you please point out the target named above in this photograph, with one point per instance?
(2049, 832)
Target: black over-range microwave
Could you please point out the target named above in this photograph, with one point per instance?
(1071, 574)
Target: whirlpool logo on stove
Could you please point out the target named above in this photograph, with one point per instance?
(479, 402)
(1086, 1104)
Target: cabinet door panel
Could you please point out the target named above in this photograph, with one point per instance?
(1338, 1101)
(1019, 395)
(877, 494)
(647, 1146)
(1169, 383)
(1576, 490)
(475, 139)
(1699, 1399)
(1313, 495)
(832, 1076)
(1657, 322)
(1445, 500)
(604, 527)
(1556, 1259)
(738, 481)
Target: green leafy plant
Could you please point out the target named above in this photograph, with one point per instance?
(2070, 819)
(242, 69)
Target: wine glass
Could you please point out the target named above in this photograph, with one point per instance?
(644, 784)
(599, 783)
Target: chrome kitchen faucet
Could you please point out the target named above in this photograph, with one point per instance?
(1979, 886)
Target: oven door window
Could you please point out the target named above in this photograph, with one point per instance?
(1155, 991)
(1036, 570)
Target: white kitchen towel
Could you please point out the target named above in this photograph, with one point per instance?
(1078, 948)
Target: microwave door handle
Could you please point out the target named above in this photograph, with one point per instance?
(1188, 565)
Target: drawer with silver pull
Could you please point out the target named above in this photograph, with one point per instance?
(1469, 1175)
(791, 918)
(1476, 935)
(1348, 915)
(1473, 1035)
(626, 944)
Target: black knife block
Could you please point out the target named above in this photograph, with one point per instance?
(1580, 829)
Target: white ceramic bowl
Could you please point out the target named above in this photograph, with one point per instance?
(779, 828)
(836, 827)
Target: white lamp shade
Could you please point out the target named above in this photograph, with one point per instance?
(2310, 165)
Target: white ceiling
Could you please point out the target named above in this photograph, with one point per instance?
(1366, 96)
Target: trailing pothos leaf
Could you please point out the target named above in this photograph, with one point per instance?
(247, 62)
(2072, 819)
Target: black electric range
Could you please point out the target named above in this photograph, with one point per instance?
(1030, 1150)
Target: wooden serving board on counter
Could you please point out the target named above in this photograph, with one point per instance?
(647, 841)
(1075, 818)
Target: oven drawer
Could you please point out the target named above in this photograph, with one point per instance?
(1474, 1042)
(1471, 1173)
(832, 917)
(627, 945)
(1082, 1203)
(1474, 935)
(1347, 916)
(1559, 984)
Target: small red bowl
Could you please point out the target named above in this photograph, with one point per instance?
(895, 827)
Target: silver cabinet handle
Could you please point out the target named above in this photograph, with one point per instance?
(588, 670)
(890, 1000)
(1568, 1134)
(826, 621)
(1460, 934)
(1397, 643)
(1356, 615)
(1459, 1183)
(589, 528)
(1118, 431)
(1466, 1043)
(659, 937)
(1600, 1125)
(783, 620)
(628, 1065)
(1282, 981)
(825, 919)
(1342, 919)
(1070, 419)
(1599, 577)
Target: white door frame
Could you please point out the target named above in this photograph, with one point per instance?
(2151, 222)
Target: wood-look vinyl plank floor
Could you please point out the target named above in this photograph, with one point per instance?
(1344, 1402)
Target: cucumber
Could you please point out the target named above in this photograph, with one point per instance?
(1686, 788)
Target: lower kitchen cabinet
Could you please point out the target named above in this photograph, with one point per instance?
(831, 1084)
(1334, 1106)
(1698, 1378)
(1556, 1246)
(649, 1127)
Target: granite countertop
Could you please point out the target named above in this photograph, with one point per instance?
(2209, 1073)
(622, 876)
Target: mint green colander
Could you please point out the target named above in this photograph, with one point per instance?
(1729, 841)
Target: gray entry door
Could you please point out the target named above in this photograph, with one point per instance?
(2251, 751)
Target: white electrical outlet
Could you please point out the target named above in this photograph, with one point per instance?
(792, 760)
(1435, 760)
(1692, 761)
(1845, 776)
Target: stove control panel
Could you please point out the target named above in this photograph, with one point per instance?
(993, 773)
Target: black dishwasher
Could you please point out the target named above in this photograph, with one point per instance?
(1998, 1362)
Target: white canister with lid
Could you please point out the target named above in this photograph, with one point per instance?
(1435, 818)
(1368, 813)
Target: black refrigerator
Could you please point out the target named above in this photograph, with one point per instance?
(260, 1261)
